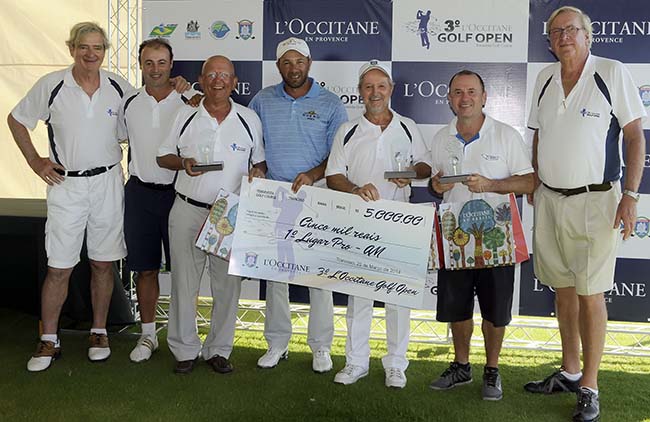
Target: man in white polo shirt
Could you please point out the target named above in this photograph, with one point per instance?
(499, 163)
(579, 107)
(363, 150)
(145, 119)
(85, 194)
(224, 131)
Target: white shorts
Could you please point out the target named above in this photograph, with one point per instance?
(85, 204)
(574, 239)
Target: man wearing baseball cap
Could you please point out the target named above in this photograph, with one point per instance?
(362, 148)
(299, 120)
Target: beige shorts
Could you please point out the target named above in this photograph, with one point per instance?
(574, 240)
(92, 205)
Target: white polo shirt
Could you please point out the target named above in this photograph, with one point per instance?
(362, 153)
(230, 142)
(82, 130)
(147, 124)
(579, 135)
(497, 152)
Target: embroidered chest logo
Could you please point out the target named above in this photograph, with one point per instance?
(587, 113)
(111, 112)
(236, 147)
(311, 115)
(489, 157)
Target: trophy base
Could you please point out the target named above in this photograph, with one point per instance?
(216, 166)
(408, 174)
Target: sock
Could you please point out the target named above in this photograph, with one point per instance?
(51, 337)
(591, 389)
(572, 377)
(464, 365)
(99, 331)
(148, 328)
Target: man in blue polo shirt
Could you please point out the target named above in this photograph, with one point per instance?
(299, 120)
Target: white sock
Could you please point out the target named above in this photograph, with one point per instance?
(572, 377)
(51, 337)
(148, 329)
(99, 331)
(591, 389)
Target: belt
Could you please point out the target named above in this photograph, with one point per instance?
(84, 173)
(154, 186)
(602, 187)
(194, 202)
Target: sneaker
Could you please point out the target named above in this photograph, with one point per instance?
(395, 377)
(147, 344)
(350, 374)
(587, 407)
(492, 384)
(321, 362)
(98, 350)
(554, 383)
(272, 357)
(46, 353)
(453, 376)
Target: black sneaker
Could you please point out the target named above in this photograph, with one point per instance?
(453, 376)
(587, 407)
(554, 383)
(492, 384)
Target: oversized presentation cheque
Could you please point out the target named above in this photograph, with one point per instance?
(332, 240)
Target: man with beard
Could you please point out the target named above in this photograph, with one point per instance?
(299, 119)
(232, 133)
(362, 148)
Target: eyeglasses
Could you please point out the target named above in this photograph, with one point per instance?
(221, 75)
(570, 31)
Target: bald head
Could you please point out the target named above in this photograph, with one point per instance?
(218, 60)
(218, 79)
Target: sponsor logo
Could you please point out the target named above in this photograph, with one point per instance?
(586, 113)
(245, 30)
(219, 30)
(192, 30)
(423, 27)
(456, 31)
(489, 157)
(326, 31)
(283, 266)
(614, 32)
(311, 115)
(644, 93)
(349, 95)
(642, 227)
(236, 147)
(250, 260)
(163, 30)
(427, 89)
(111, 112)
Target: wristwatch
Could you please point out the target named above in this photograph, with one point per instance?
(634, 195)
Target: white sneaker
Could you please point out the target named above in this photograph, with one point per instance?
(395, 377)
(147, 344)
(350, 374)
(99, 350)
(272, 357)
(321, 362)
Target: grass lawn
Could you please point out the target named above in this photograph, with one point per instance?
(75, 389)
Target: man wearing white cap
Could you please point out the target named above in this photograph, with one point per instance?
(299, 120)
(362, 148)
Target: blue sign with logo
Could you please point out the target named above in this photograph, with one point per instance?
(620, 32)
(421, 90)
(335, 30)
(249, 74)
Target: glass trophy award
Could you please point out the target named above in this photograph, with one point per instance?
(206, 162)
(402, 167)
(454, 174)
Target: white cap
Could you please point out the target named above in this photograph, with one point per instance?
(292, 43)
(374, 64)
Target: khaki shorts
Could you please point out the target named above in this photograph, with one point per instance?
(92, 205)
(574, 240)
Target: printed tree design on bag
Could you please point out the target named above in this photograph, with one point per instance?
(476, 218)
(461, 239)
(494, 239)
(503, 217)
(448, 221)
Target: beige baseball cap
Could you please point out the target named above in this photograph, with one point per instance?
(292, 43)
(374, 64)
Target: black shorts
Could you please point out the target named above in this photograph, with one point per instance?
(493, 287)
(146, 217)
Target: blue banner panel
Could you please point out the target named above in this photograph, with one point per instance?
(421, 90)
(628, 301)
(249, 74)
(620, 32)
(335, 30)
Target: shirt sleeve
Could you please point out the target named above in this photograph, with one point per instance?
(258, 145)
(518, 156)
(336, 163)
(421, 149)
(34, 106)
(626, 102)
(339, 116)
(533, 122)
(171, 144)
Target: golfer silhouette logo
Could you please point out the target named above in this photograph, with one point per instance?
(423, 27)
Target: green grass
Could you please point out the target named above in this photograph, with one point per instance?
(75, 389)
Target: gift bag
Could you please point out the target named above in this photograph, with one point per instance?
(216, 234)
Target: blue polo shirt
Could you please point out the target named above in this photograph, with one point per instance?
(298, 133)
